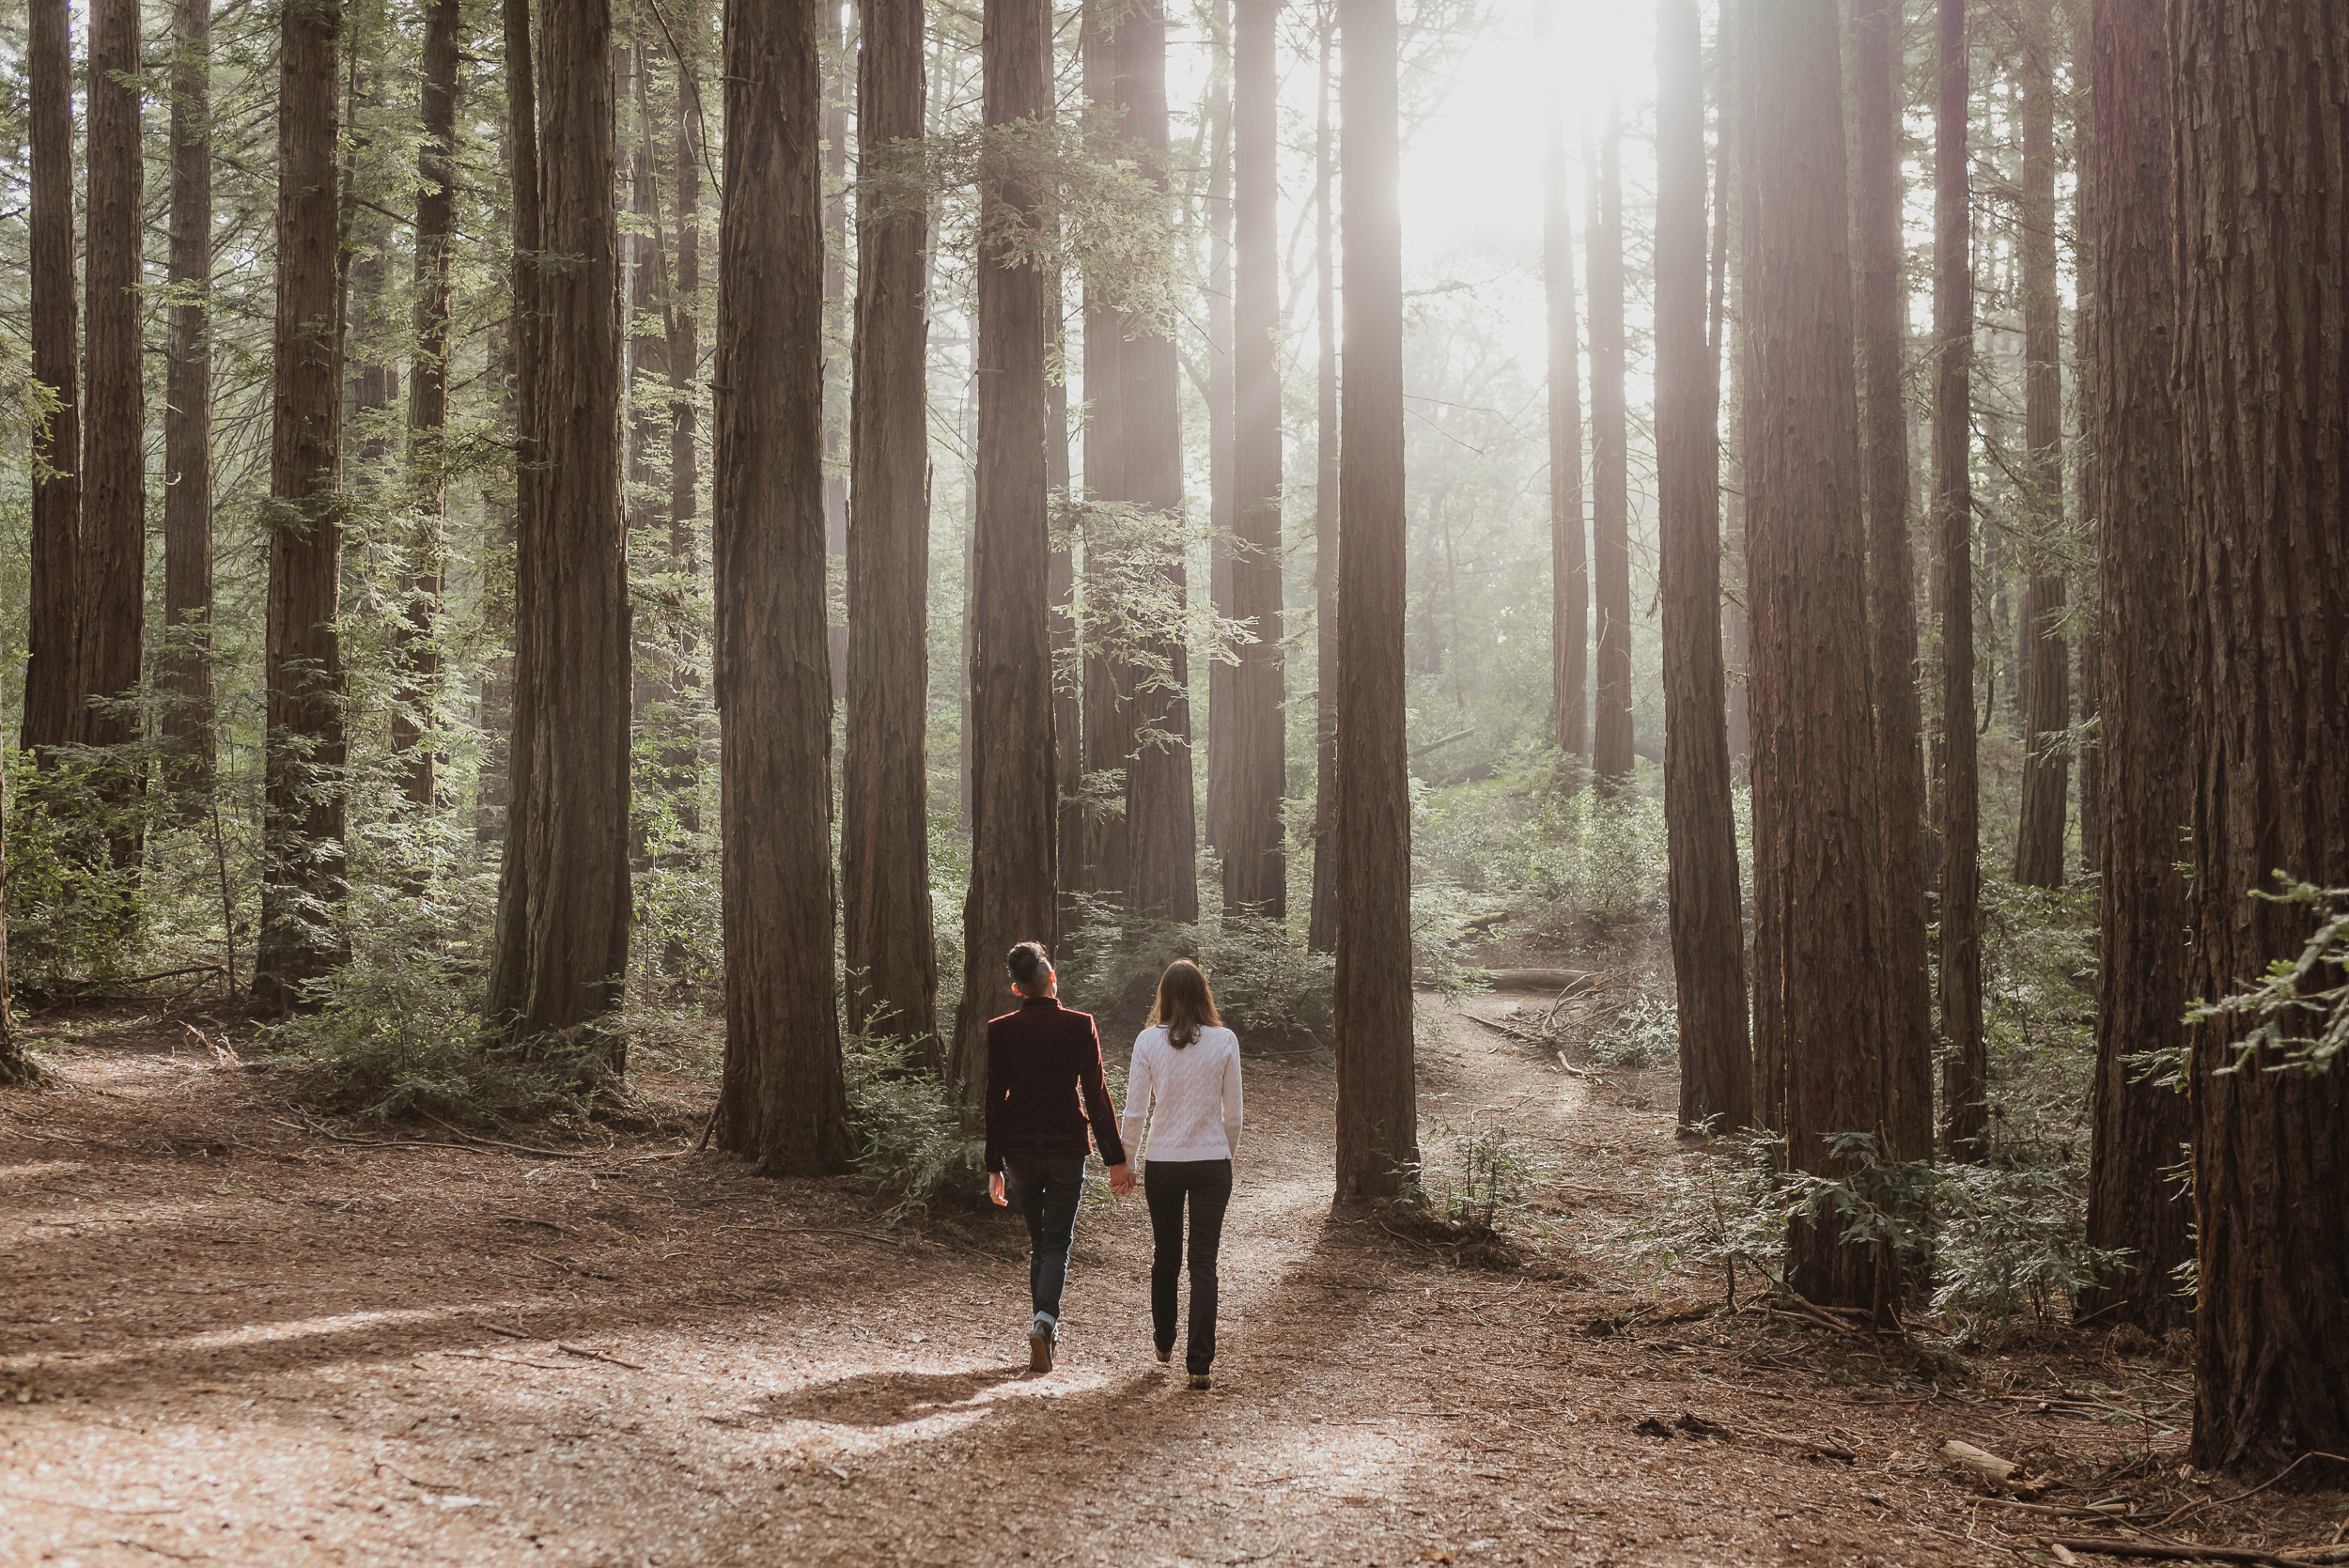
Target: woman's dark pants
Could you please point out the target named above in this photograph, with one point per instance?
(1166, 1182)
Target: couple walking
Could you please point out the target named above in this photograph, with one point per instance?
(1044, 1090)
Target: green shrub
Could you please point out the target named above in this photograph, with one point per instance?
(1267, 986)
(908, 1135)
(1643, 1032)
(1479, 1176)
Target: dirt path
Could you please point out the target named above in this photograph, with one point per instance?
(228, 1341)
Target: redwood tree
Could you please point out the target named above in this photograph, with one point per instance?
(1569, 565)
(782, 1101)
(1219, 388)
(53, 682)
(1321, 927)
(427, 397)
(1707, 915)
(302, 812)
(2141, 1127)
(2262, 203)
(1255, 867)
(1610, 467)
(1964, 1069)
(1013, 823)
(1817, 936)
(885, 831)
(114, 449)
(184, 670)
(563, 897)
(1377, 1097)
(1883, 305)
(2046, 674)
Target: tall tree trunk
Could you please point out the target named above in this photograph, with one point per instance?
(645, 334)
(1707, 916)
(1109, 681)
(509, 752)
(301, 813)
(1068, 757)
(839, 72)
(1964, 1069)
(1611, 468)
(1378, 1109)
(113, 429)
(2047, 673)
(427, 400)
(1321, 926)
(1013, 852)
(563, 901)
(1817, 941)
(52, 676)
(1160, 822)
(884, 787)
(2141, 1127)
(2263, 203)
(1255, 866)
(1223, 514)
(781, 1102)
(1569, 563)
(184, 670)
(680, 759)
(1739, 21)
(1883, 304)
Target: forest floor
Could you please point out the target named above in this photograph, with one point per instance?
(230, 1338)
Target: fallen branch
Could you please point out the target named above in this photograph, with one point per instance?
(1986, 1469)
(2113, 1546)
(596, 1356)
(2093, 1510)
(1809, 1445)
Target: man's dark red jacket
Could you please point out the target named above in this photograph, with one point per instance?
(1044, 1084)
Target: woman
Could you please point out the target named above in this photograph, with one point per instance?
(1183, 1091)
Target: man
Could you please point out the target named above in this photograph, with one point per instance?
(1044, 1088)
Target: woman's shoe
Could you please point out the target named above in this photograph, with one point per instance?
(1199, 1382)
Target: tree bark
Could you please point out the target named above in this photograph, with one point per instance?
(1740, 18)
(184, 670)
(1883, 305)
(884, 785)
(2046, 674)
(563, 901)
(2261, 205)
(1377, 1097)
(1223, 514)
(840, 83)
(781, 1102)
(1013, 851)
(427, 401)
(2141, 1127)
(1964, 1067)
(114, 427)
(52, 679)
(1255, 864)
(1817, 940)
(1569, 563)
(1707, 916)
(1611, 468)
(1109, 698)
(301, 813)
(1321, 923)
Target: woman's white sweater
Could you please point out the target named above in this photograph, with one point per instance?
(1188, 1099)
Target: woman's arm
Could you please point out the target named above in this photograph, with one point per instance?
(1141, 1082)
(1233, 1117)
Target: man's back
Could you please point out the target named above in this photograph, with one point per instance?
(1045, 1085)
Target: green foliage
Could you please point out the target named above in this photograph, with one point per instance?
(2039, 1016)
(73, 913)
(1996, 1240)
(908, 1137)
(1267, 986)
(1520, 841)
(1485, 1175)
(1644, 1031)
(2298, 1012)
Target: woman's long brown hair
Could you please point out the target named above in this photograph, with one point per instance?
(1185, 1005)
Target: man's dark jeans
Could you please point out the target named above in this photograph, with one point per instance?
(1208, 1185)
(1046, 1189)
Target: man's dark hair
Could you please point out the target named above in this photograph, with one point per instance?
(1028, 964)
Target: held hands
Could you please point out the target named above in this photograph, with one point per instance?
(995, 1188)
(1122, 1179)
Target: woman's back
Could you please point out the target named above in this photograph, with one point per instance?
(1188, 1097)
